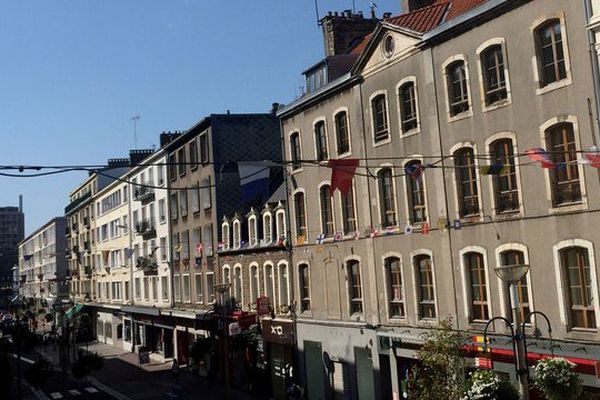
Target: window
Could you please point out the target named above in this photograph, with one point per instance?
(267, 228)
(185, 245)
(237, 240)
(425, 286)
(408, 107)
(458, 95)
(514, 257)
(304, 279)
(466, 182)
(564, 179)
(138, 289)
(146, 289)
(342, 133)
(164, 283)
(550, 53)
(354, 287)
(177, 287)
(295, 152)
(321, 141)
(238, 284)
(270, 283)
(163, 249)
(186, 288)
(155, 288)
(326, 211)
(349, 212)
(417, 209)
(205, 193)
(174, 207)
(300, 214)
(380, 123)
(387, 199)
(225, 235)
(210, 287)
(494, 80)
(193, 148)
(506, 193)
(252, 231)
(395, 288)
(280, 224)
(161, 175)
(207, 245)
(284, 284)
(195, 200)
(183, 200)
(172, 167)
(578, 281)
(181, 163)
(204, 148)
(254, 283)
(477, 284)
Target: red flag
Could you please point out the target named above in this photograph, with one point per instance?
(594, 159)
(425, 228)
(541, 155)
(342, 172)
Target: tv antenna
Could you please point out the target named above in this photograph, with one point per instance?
(317, 12)
(135, 119)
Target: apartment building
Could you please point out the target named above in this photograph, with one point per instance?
(435, 101)
(12, 231)
(204, 187)
(43, 265)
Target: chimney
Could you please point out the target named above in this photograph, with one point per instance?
(412, 5)
(168, 137)
(341, 32)
(20, 203)
(274, 108)
(135, 156)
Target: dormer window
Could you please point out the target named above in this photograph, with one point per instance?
(316, 78)
(225, 235)
(252, 230)
(280, 223)
(237, 241)
(267, 227)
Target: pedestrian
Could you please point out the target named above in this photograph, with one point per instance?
(175, 371)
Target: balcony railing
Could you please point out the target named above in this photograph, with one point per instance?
(148, 265)
(145, 228)
(143, 193)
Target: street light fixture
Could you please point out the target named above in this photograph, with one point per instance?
(513, 274)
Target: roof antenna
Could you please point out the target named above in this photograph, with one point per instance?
(373, 7)
(135, 119)
(353, 6)
(317, 12)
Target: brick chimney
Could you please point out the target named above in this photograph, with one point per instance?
(343, 31)
(168, 137)
(412, 5)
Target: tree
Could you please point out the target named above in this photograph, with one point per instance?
(440, 374)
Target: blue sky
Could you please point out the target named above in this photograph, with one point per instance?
(73, 73)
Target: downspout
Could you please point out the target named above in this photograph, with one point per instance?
(595, 69)
(443, 160)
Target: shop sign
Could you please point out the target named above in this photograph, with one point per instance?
(484, 362)
(262, 306)
(281, 332)
(234, 329)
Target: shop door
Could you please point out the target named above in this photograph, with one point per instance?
(278, 363)
(168, 338)
(182, 348)
(315, 374)
(364, 373)
(337, 381)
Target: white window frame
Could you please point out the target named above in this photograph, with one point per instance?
(501, 285)
(237, 234)
(281, 230)
(407, 211)
(465, 280)
(199, 299)
(225, 233)
(409, 79)
(254, 282)
(415, 281)
(387, 109)
(286, 267)
(267, 239)
(445, 65)
(394, 188)
(453, 150)
(334, 115)
(237, 268)
(314, 125)
(289, 149)
(252, 223)
(272, 299)
(387, 286)
(355, 316)
(498, 41)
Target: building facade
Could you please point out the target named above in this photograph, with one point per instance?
(429, 109)
(12, 231)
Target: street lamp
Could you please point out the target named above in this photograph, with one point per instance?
(512, 274)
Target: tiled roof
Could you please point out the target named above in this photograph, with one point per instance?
(421, 20)
(460, 7)
(361, 46)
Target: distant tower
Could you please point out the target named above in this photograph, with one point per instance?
(20, 203)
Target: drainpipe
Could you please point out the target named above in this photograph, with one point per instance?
(595, 69)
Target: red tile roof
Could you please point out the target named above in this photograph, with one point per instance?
(460, 7)
(423, 19)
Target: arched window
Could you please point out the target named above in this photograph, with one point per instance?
(550, 53)
(280, 224)
(321, 141)
(494, 80)
(284, 284)
(407, 98)
(387, 198)
(577, 272)
(327, 227)
(466, 181)
(254, 283)
(304, 279)
(342, 132)
(477, 285)
(225, 235)
(237, 237)
(515, 257)
(506, 193)
(295, 152)
(270, 283)
(300, 214)
(380, 122)
(395, 288)
(564, 179)
(458, 95)
(416, 193)
(238, 284)
(252, 231)
(355, 294)
(267, 228)
(349, 211)
(425, 286)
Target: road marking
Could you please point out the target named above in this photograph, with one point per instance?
(91, 389)
(27, 360)
(106, 388)
(74, 392)
(56, 395)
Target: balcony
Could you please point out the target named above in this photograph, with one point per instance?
(146, 229)
(86, 222)
(77, 202)
(143, 194)
(87, 246)
(148, 265)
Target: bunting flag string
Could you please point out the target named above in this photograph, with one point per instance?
(342, 172)
(541, 155)
(494, 169)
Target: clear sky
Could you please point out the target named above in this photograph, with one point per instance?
(74, 72)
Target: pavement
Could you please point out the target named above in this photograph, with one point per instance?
(122, 378)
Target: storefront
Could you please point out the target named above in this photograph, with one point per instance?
(145, 327)
(278, 345)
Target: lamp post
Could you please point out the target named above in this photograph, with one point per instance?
(222, 288)
(513, 274)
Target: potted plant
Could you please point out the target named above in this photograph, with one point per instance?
(487, 385)
(557, 380)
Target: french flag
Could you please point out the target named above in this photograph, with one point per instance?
(254, 180)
